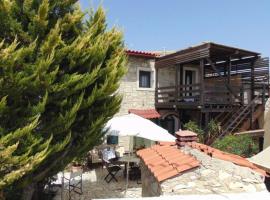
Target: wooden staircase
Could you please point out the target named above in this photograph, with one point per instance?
(240, 119)
(243, 116)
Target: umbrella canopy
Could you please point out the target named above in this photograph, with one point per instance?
(134, 125)
(262, 159)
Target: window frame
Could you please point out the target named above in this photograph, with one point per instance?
(152, 78)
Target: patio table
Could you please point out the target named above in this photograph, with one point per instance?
(127, 159)
(130, 159)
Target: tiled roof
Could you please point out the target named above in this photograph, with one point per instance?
(141, 53)
(238, 160)
(167, 161)
(148, 114)
(167, 143)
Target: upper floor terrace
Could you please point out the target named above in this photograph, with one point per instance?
(210, 76)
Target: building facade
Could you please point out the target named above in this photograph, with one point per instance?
(138, 85)
(199, 83)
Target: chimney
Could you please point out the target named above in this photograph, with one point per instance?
(183, 137)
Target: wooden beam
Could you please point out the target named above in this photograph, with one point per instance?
(252, 133)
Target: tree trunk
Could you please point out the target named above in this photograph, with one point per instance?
(2, 195)
(28, 192)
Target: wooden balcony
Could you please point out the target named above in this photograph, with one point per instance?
(197, 96)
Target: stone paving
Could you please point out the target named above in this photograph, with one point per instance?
(95, 187)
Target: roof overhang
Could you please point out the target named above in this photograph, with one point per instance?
(216, 52)
(147, 114)
(141, 54)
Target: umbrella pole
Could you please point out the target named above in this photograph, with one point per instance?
(128, 167)
(127, 177)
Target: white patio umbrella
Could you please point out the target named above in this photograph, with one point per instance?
(134, 125)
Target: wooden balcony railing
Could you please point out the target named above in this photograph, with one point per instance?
(193, 94)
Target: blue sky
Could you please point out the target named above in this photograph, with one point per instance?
(176, 24)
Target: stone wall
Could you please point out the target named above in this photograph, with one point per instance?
(150, 187)
(267, 124)
(134, 97)
(213, 176)
(166, 76)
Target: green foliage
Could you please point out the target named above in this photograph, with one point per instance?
(59, 73)
(194, 127)
(242, 145)
(213, 129)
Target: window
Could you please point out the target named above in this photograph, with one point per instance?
(144, 79)
(111, 139)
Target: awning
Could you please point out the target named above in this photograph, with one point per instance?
(147, 114)
(262, 159)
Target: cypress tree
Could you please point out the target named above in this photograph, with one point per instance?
(59, 74)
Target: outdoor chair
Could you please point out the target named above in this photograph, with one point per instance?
(135, 174)
(74, 183)
(112, 170)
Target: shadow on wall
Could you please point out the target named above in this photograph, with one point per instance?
(267, 183)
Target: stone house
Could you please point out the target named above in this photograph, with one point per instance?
(199, 83)
(138, 85)
(188, 167)
(137, 88)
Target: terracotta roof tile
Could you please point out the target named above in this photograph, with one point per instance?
(238, 160)
(148, 114)
(166, 161)
(186, 167)
(167, 175)
(141, 53)
(167, 143)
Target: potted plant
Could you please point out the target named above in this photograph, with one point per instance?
(77, 164)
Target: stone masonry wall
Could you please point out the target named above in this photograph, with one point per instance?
(166, 76)
(134, 97)
(267, 125)
(150, 187)
(213, 176)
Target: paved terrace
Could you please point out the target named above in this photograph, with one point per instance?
(95, 187)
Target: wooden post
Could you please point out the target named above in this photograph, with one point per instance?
(263, 96)
(242, 95)
(156, 86)
(252, 94)
(251, 116)
(206, 121)
(176, 83)
(202, 81)
(229, 71)
(181, 81)
(261, 140)
(229, 78)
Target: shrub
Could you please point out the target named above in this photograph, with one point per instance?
(242, 145)
(194, 127)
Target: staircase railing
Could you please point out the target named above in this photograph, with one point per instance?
(238, 117)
